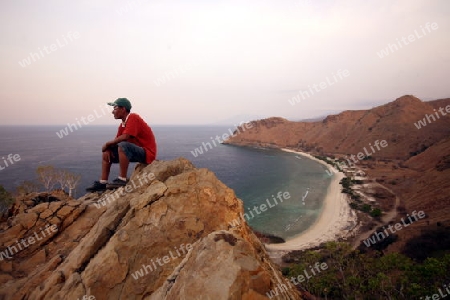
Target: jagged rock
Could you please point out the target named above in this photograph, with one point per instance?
(47, 213)
(27, 220)
(40, 208)
(245, 276)
(55, 206)
(167, 235)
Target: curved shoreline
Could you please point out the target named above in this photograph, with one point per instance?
(335, 220)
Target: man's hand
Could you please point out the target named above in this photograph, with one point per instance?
(117, 140)
(106, 146)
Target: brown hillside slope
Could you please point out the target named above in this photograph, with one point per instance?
(350, 131)
(422, 184)
(439, 103)
(97, 249)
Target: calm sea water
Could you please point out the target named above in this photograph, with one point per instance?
(254, 174)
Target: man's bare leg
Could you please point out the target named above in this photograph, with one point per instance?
(123, 163)
(106, 164)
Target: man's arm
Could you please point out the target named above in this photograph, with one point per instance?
(117, 140)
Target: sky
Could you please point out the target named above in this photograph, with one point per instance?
(208, 62)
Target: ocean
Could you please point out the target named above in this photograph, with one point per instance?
(256, 175)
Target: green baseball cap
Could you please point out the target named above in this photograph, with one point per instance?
(124, 102)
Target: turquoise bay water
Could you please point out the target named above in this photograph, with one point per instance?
(276, 171)
(254, 174)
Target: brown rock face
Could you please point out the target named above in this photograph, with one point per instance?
(167, 235)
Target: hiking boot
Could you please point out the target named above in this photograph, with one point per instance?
(117, 183)
(96, 187)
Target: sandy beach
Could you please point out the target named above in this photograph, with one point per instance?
(335, 221)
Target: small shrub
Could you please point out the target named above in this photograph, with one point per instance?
(376, 213)
(366, 208)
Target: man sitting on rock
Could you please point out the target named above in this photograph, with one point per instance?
(134, 142)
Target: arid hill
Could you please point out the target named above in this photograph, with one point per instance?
(167, 235)
(415, 164)
(350, 131)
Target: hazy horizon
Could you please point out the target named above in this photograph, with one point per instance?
(218, 124)
(206, 63)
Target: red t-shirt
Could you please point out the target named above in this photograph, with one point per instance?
(140, 134)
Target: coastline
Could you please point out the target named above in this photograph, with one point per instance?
(336, 220)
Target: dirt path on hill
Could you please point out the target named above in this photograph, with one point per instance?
(387, 217)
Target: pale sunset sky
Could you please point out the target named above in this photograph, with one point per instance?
(202, 62)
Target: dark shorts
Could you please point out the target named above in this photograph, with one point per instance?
(133, 152)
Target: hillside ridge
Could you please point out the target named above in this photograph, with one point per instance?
(351, 130)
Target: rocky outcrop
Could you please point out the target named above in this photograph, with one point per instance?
(166, 235)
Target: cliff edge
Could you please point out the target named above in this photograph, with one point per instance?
(166, 235)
